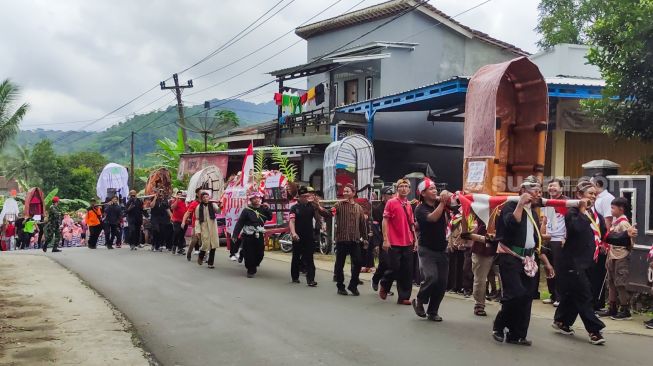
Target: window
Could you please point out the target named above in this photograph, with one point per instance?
(335, 94)
(368, 88)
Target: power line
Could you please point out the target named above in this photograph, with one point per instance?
(273, 41)
(412, 8)
(233, 39)
(213, 53)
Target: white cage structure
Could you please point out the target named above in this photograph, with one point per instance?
(353, 152)
(209, 179)
(115, 177)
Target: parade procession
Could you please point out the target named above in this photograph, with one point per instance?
(415, 188)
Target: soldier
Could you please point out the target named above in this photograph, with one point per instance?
(53, 227)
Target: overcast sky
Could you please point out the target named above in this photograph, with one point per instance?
(77, 60)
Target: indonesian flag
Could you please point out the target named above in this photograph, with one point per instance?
(248, 166)
(484, 205)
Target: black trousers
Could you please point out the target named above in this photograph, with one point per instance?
(162, 235)
(178, 233)
(367, 256)
(597, 280)
(554, 254)
(576, 300)
(111, 234)
(94, 234)
(134, 232)
(456, 264)
(468, 274)
(211, 256)
(400, 263)
(234, 247)
(435, 268)
(383, 266)
(24, 240)
(353, 250)
(253, 250)
(516, 298)
(302, 255)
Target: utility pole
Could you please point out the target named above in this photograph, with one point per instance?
(180, 106)
(131, 166)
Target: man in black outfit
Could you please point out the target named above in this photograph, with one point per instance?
(578, 256)
(517, 230)
(301, 216)
(134, 219)
(112, 215)
(160, 220)
(431, 249)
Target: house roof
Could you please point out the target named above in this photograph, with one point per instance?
(397, 7)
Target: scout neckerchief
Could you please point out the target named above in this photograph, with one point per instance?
(596, 229)
(616, 222)
(258, 214)
(530, 266)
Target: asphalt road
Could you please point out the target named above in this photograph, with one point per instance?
(191, 315)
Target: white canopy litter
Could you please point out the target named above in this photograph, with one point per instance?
(9, 210)
(353, 153)
(209, 179)
(113, 176)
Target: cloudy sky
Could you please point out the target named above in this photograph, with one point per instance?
(77, 60)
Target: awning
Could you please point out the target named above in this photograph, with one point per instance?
(290, 151)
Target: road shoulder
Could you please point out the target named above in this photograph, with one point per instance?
(49, 316)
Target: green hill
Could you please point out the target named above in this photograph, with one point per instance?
(114, 142)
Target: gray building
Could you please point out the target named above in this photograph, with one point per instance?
(414, 48)
(382, 50)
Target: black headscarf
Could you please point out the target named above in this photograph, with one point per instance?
(211, 211)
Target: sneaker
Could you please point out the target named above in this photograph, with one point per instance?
(383, 293)
(56, 250)
(519, 341)
(467, 293)
(343, 292)
(434, 318)
(562, 329)
(622, 315)
(375, 286)
(233, 258)
(498, 336)
(610, 311)
(547, 301)
(556, 304)
(250, 275)
(211, 266)
(419, 308)
(295, 281)
(353, 290)
(404, 302)
(596, 338)
(312, 284)
(649, 324)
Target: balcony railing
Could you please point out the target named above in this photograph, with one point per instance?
(311, 123)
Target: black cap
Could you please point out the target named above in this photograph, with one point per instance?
(388, 190)
(302, 190)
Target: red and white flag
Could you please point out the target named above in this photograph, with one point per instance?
(484, 205)
(248, 166)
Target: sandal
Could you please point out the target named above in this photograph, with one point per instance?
(479, 312)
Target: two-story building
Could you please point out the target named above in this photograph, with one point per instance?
(381, 50)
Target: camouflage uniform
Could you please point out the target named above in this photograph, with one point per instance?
(52, 228)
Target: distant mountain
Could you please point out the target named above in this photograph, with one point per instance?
(114, 142)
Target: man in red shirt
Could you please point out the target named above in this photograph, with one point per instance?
(399, 242)
(179, 208)
(190, 216)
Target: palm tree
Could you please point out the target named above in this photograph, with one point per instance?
(18, 165)
(10, 118)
